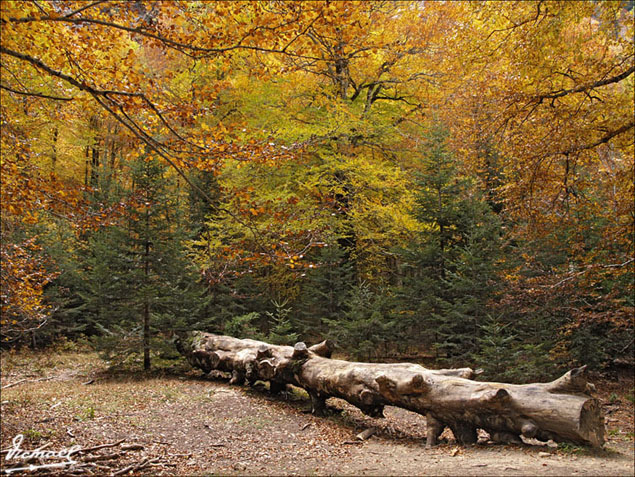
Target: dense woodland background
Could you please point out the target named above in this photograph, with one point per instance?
(441, 181)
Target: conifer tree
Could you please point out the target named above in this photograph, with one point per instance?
(449, 271)
(137, 285)
(325, 291)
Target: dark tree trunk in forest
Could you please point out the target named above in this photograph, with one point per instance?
(146, 299)
(94, 166)
(562, 410)
(86, 165)
(54, 151)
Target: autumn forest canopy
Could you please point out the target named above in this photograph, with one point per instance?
(447, 181)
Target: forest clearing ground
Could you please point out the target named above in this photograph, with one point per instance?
(197, 426)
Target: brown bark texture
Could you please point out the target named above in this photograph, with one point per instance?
(562, 410)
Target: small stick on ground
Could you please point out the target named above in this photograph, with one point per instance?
(96, 458)
(102, 446)
(362, 436)
(131, 447)
(138, 466)
(14, 384)
(27, 381)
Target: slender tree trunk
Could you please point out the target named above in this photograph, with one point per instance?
(86, 165)
(441, 235)
(54, 152)
(146, 298)
(94, 166)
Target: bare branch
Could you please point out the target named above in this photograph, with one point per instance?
(606, 138)
(181, 47)
(86, 7)
(585, 88)
(37, 95)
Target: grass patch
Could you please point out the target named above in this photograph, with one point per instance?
(206, 397)
(253, 422)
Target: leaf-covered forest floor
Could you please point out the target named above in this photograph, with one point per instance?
(185, 425)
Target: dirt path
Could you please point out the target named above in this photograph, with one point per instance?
(195, 426)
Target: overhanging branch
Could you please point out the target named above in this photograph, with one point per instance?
(34, 94)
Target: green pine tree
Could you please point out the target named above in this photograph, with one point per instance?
(325, 292)
(449, 271)
(366, 326)
(281, 329)
(138, 285)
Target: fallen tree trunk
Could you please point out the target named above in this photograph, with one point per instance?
(562, 410)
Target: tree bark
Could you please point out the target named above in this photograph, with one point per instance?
(146, 298)
(562, 410)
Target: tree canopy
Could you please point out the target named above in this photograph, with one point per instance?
(467, 166)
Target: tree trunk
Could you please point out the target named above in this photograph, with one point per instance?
(54, 151)
(562, 410)
(146, 298)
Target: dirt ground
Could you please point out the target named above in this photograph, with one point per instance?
(187, 425)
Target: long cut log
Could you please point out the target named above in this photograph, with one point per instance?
(562, 410)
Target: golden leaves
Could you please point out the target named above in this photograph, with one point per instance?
(24, 275)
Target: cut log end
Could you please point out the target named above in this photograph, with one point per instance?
(263, 353)
(323, 349)
(592, 423)
(300, 351)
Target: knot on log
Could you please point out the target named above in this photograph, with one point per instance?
(500, 396)
(367, 397)
(391, 388)
(266, 369)
(387, 386)
(529, 429)
(417, 385)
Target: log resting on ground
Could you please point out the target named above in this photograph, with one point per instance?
(562, 410)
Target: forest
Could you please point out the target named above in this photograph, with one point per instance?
(450, 182)
(405, 184)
